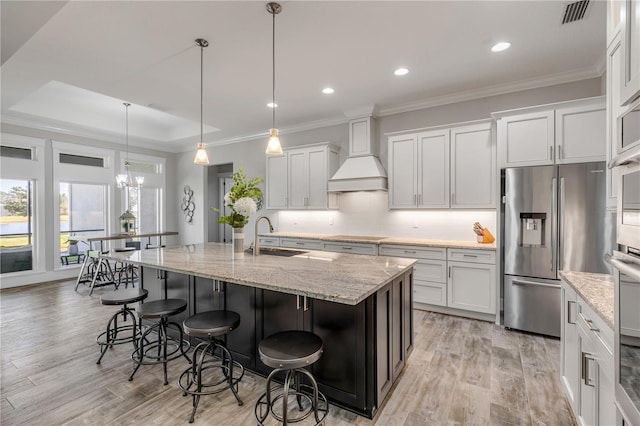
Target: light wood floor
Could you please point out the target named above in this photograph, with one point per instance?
(462, 372)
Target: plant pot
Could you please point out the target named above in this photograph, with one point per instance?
(238, 243)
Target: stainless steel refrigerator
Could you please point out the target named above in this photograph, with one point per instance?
(554, 219)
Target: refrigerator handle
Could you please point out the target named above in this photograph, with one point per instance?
(561, 223)
(554, 197)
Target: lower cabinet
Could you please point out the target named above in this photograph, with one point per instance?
(471, 286)
(586, 365)
(394, 339)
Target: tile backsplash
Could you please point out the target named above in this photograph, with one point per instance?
(367, 213)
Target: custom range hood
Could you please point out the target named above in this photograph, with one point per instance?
(362, 170)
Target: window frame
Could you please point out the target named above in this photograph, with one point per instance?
(33, 170)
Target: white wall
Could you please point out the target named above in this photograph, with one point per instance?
(50, 271)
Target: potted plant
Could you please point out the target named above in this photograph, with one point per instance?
(242, 200)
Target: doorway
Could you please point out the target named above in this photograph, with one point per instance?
(219, 182)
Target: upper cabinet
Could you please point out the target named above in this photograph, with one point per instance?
(298, 178)
(630, 70)
(473, 167)
(442, 168)
(614, 110)
(569, 132)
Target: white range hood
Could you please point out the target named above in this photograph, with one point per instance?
(362, 170)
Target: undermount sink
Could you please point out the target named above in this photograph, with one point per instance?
(270, 251)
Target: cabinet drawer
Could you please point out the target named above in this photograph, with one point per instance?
(301, 243)
(428, 292)
(473, 256)
(269, 241)
(355, 248)
(415, 252)
(431, 270)
(602, 334)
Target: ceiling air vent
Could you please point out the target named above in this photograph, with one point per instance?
(575, 11)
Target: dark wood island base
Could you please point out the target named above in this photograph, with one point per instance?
(365, 345)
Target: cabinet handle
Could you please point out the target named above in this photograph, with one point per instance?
(297, 302)
(347, 248)
(305, 303)
(586, 370)
(470, 255)
(591, 326)
(415, 201)
(410, 251)
(449, 271)
(300, 244)
(419, 198)
(550, 153)
(571, 319)
(559, 152)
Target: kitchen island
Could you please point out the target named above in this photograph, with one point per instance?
(361, 307)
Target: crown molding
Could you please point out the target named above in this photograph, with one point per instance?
(499, 89)
(86, 133)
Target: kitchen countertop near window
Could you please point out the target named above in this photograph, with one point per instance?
(384, 240)
(596, 290)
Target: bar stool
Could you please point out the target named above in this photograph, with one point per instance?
(161, 309)
(291, 351)
(210, 325)
(110, 337)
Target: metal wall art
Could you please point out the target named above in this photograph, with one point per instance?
(187, 205)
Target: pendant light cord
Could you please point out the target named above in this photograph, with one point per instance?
(273, 62)
(201, 88)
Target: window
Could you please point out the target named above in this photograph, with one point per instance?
(82, 212)
(144, 203)
(16, 225)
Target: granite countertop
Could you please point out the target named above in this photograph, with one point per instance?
(596, 289)
(384, 240)
(336, 277)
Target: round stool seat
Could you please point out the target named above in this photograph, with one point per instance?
(162, 307)
(290, 349)
(211, 323)
(124, 297)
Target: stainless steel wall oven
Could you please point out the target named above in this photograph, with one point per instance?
(626, 263)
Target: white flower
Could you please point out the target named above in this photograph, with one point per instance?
(227, 199)
(245, 206)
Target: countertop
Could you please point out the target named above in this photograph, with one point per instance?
(596, 290)
(384, 240)
(336, 277)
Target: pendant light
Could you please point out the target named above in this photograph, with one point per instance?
(273, 147)
(123, 180)
(201, 153)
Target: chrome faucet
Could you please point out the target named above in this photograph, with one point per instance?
(256, 241)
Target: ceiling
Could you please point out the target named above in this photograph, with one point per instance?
(68, 66)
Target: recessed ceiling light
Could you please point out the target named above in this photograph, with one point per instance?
(499, 47)
(272, 105)
(327, 90)
(401, 71)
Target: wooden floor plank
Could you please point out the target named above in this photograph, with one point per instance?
(461, 372)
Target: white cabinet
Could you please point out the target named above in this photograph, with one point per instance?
(442, 168)
(269, 241)
(298, 178)
(429, 273)
(586, 365)
(569, 351)
(581, 134)
(526, 139)
(370, 249)
(471, 285)
(614, 110)
(568, 132)
(301, 243)
(630, 70)
(473, 167)
(276, 181)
